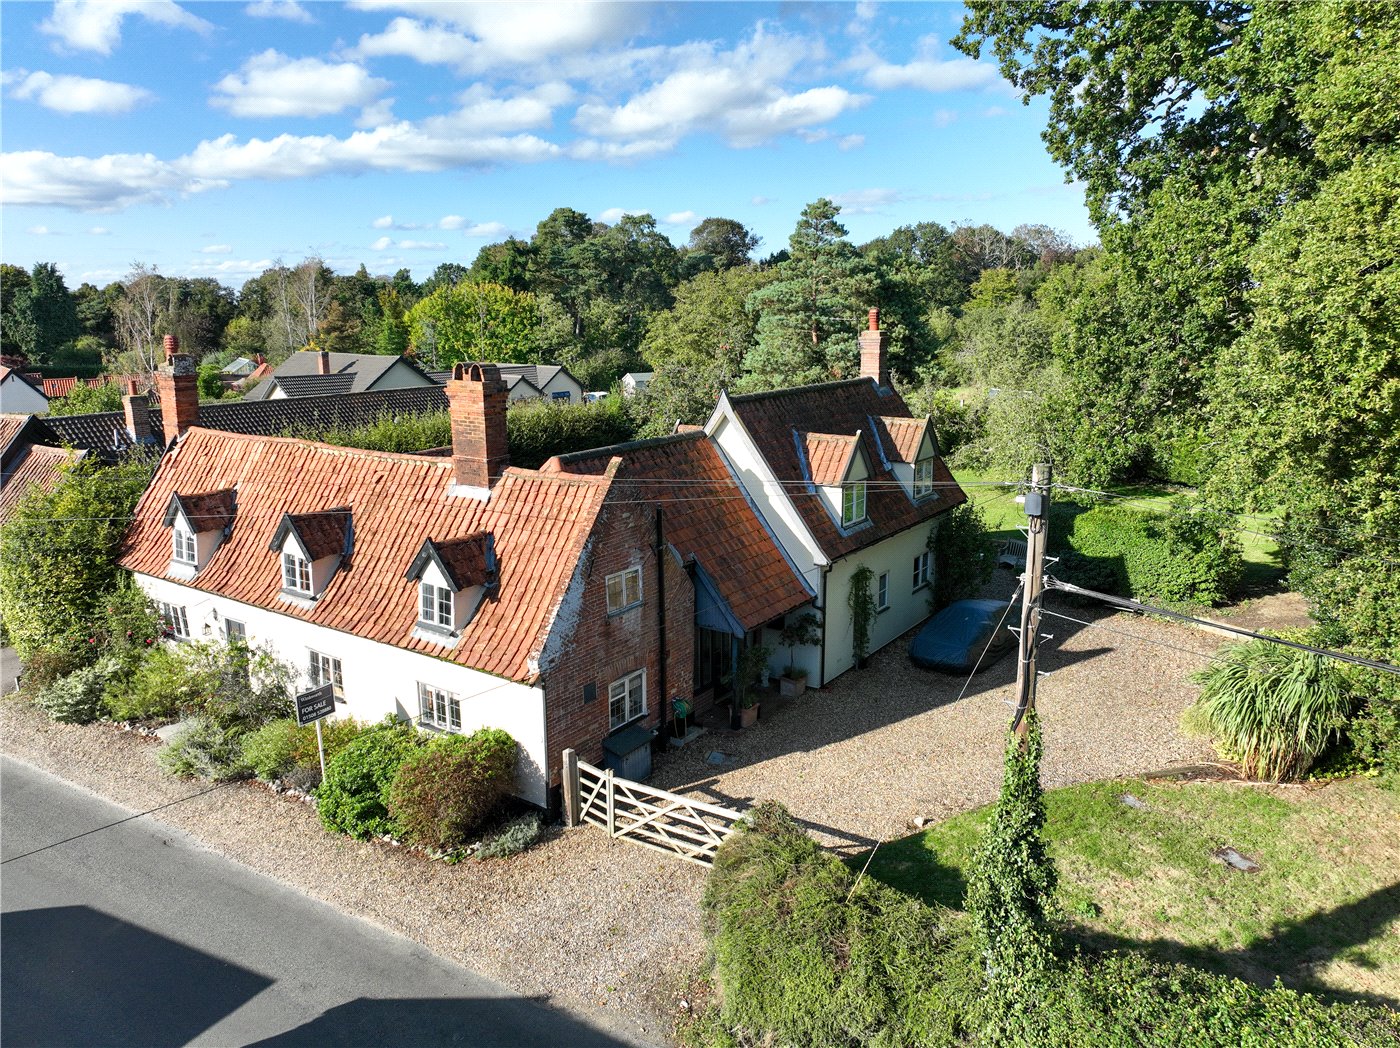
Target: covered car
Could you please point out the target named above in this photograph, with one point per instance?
(955, 638)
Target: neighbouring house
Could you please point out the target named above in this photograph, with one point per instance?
(28, 458)
(534, 381)
(844, 478)
(635, 382)
(518, 387)
(20, 394)
(240, 367)
(311, 373)
(455, 591)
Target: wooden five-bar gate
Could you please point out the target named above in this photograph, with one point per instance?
(653, 818)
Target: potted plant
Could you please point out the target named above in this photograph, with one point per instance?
(753, 663)
(803, 630)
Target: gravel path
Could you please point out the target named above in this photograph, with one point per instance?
(603, 928)
(610, 930)
(859, 760)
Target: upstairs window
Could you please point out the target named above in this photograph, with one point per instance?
(923, 570)
(852, 503)
(434, 605)
(627, 699)
(184, 546)
(923, 478)
(624, 590)
(296, 573)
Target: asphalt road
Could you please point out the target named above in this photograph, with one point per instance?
(132, 934)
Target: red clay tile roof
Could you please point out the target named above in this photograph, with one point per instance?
(466, 559)
(905, 436)
(39, 465)
(322, 534)
(10, 426)
(828, 456)
(207, 511)
(840, 407)
(705, 515)
(540, 523)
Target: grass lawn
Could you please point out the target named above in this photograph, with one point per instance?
(1322, 913)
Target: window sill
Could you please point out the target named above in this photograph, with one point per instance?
(920, 586)
(435, 635)
(624, 611)
(436, 729)
(183, 570)
(881, 611)
(297, 597)
(627, 723)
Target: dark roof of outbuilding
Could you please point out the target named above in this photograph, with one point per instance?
(364, 369)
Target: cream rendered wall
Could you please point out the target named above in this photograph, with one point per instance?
(401, 376)
(907, 609)
(379, 678)
(18, 397)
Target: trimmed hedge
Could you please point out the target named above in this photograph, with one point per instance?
(446, 789)
(354, 798)
(281, 745)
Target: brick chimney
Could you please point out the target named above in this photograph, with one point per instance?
(138, 414)
(323, 363)
(476, 399)
(873, 344)
(178, 387)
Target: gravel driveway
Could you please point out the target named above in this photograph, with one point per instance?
(860, 759)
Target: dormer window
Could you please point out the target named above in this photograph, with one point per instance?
(184, 546)
(923, 478)
(198, 525)
(296, 573)
(838, 468)
(454, 576)
(852, 503)
(434, 605)
(312, 547)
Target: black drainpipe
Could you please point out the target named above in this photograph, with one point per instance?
(661, 616)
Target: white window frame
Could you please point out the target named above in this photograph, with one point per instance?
(923, 570)
(923, 478)
(296, 572)
(439, 708)
(618, 584)
(325, 669)
(882, 592)
(852, 503)
(435, 605)
(183, 548)
(631, 691)
(176, 620)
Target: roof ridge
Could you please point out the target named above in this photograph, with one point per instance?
(788, 391)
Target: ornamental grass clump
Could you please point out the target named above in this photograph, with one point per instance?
(446, 789)
(1272, 708)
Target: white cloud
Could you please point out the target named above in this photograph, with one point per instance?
(382, 244)
(38, 231)
(216, 249)
(233, 268)
(376, 114)
(735, 93)
(385, 243)
(943, 117)
(616, 214)
(759, 201)
(271, 84)
(848, 142)
(927, 72)
(680, 218)
(994, 111)
(383, 222)
(487, 36)
(287, 10)
(867, 201)
(451, 222)
(488, 230)
(96, 25)
(77, 94)
(99, 231)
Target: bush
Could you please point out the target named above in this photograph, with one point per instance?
(354, 798)
(963, 557)
(515, 837)
(1273, 708)
(281, 745)
(158, 689)
(538, 430)
(76, 698)
(445, 790)
(1375, 731)
(205, 749)
(48, 664)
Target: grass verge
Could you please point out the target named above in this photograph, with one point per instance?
(1322, 913)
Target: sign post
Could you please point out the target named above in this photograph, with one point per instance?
(314, 706)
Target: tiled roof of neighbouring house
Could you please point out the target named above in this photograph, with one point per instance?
(540, 526)
(840, 408)
(705, 515)
(315, 385)
(364, 369)
(105, 432)
(37, 465)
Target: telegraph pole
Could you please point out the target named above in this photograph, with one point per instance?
(1037, 502)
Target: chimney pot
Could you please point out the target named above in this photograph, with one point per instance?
(133, 388)
(476, 399)
(178, 386)
(172, 346)
(874, 320)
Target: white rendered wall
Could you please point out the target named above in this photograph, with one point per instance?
(379, 678)
(401, 376)
(18, 397)
(561, 383)
(907, 609)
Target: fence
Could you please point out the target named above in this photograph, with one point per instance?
(653, 818)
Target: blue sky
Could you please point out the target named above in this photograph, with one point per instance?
(211, 138)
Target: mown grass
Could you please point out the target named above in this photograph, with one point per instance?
(1322, 913)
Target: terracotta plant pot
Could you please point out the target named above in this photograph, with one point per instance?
(791, 687)
(748, 716)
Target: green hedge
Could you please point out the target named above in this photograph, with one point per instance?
(446, 789)
(803, 955)
(354, 798)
